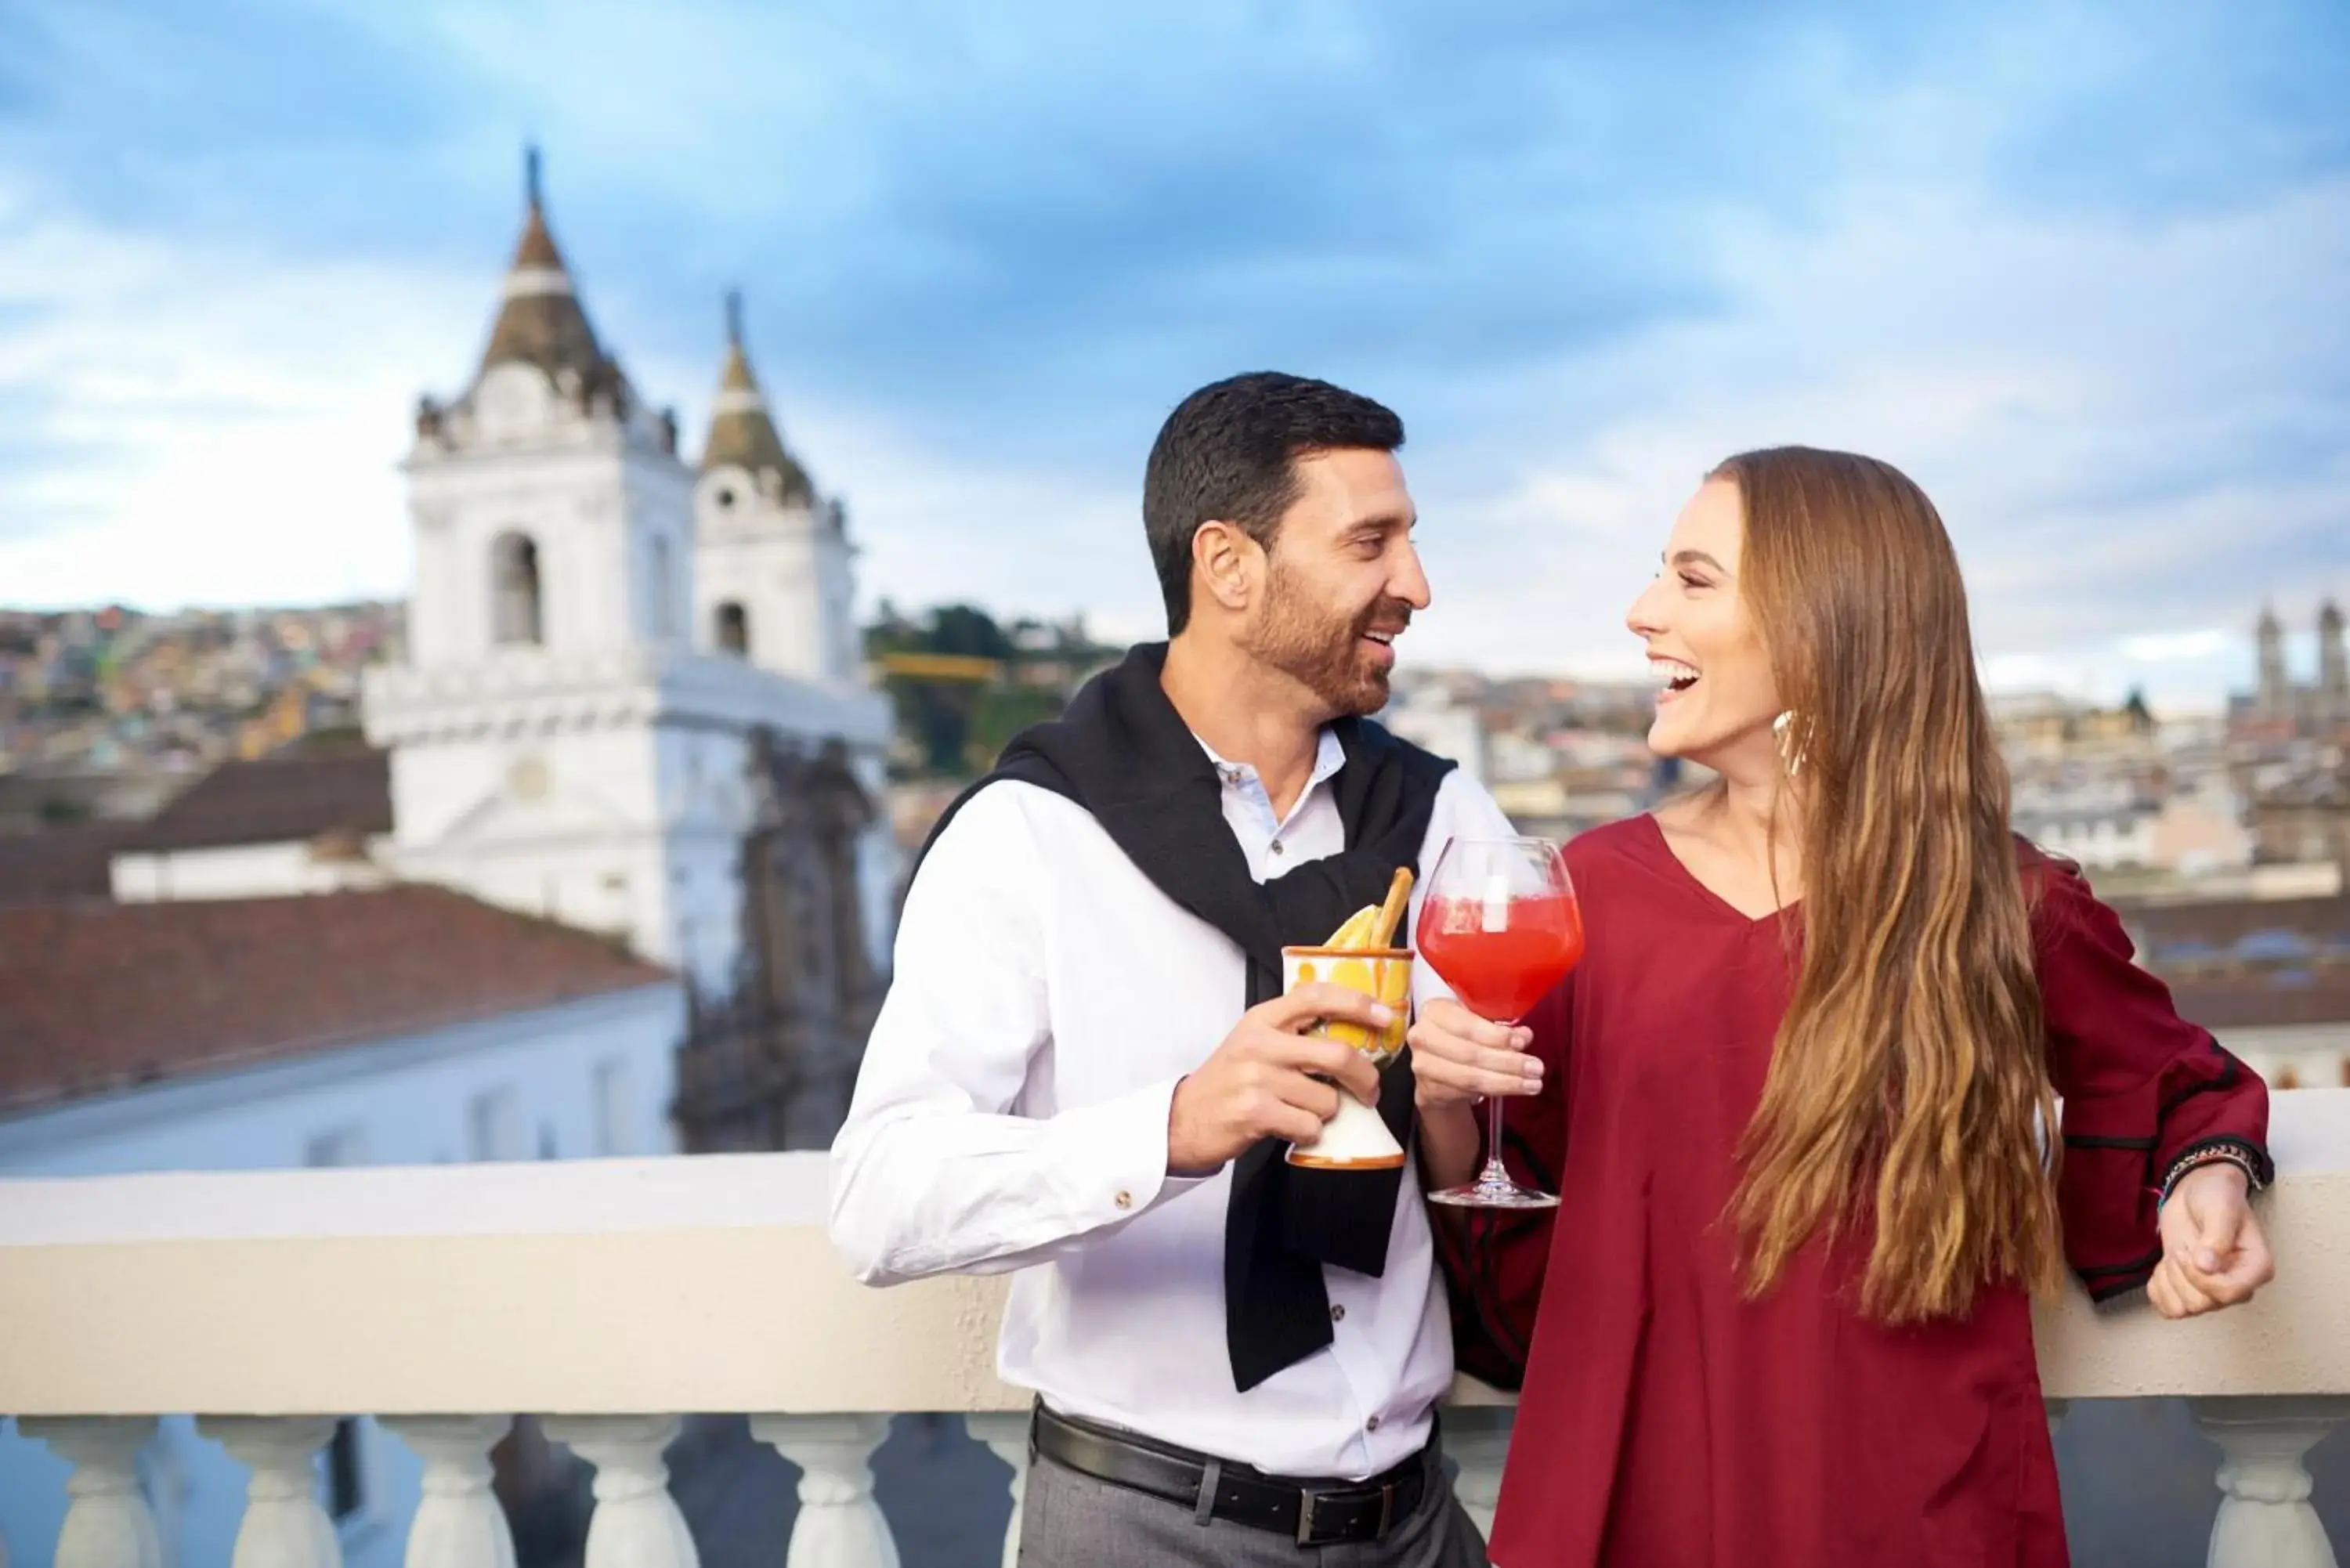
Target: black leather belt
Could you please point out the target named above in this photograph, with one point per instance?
(1312, 1513)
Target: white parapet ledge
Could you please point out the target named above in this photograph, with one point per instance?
(2293, 1338)
(707, 1284)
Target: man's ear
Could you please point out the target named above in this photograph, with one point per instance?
(1226, 564)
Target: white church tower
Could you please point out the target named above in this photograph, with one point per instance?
(777, 583)
(552, 513)
(562, 740)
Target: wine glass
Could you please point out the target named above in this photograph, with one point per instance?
(1499, 922)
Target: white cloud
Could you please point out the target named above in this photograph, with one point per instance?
(2207, 642)
(1017, 542)
(207, 424)
(2095, 405)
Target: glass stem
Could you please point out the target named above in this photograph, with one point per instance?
(1495, 1173)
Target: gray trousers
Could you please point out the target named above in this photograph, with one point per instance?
(1069, 1519)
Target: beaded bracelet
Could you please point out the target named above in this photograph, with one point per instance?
(2232, 1152)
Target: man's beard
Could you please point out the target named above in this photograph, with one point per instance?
(1323, 651)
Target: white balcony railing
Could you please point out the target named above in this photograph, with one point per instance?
(612, 1297)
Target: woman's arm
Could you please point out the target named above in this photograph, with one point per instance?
(2165, 1133)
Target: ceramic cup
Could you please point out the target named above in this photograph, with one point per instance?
(1355, 1139)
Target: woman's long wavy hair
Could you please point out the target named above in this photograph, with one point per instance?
(1910, 1067)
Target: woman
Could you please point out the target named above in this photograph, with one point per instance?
(1796, 1087)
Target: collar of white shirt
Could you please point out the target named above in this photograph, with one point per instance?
(1242, 779)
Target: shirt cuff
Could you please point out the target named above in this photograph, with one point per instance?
(1120, 1154)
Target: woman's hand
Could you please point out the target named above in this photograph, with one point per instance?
(1458, 1059)
(2213, 1255)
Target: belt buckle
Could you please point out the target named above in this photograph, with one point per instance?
(1307, 1500)
(1305, 1535)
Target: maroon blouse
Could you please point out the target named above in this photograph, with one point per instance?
(1668, 1422)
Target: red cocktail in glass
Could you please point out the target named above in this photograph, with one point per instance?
(1500, 923)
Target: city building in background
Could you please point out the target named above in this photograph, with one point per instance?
(2281, 706)
(105, 714)
(1559, 755)
(2269, 977)
(311, 821)
(2088, 782)
(1433, 715)
(2221, 840)
(2289, 744)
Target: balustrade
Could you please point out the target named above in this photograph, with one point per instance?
(444, 1301)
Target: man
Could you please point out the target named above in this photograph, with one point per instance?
(1084, 1070)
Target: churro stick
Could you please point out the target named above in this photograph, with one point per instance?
(1391, 912)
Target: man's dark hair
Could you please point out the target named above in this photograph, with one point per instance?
(1226, 455)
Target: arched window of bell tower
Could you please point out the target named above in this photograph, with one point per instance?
(515, 606)
(731, 630)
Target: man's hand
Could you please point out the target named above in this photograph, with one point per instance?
(2213, 1255)
(1257, 1084)
(1457, 1058)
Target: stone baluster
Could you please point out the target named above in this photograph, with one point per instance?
(2265, 1518)
(1005, 1433)
(839, 1525)
(108, 1525)
(1478, 1438)
(284, 1526)
(458, 1522)
(636, 1524)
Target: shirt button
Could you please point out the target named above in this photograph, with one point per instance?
(1372, 1424)
(1337, 1314)
(1276, 847)
(1123, 1200)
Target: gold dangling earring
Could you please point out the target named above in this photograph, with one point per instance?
(1791, 753)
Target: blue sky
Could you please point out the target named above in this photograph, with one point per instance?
(2084, 271)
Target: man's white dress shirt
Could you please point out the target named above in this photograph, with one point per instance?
(1012, 1114)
